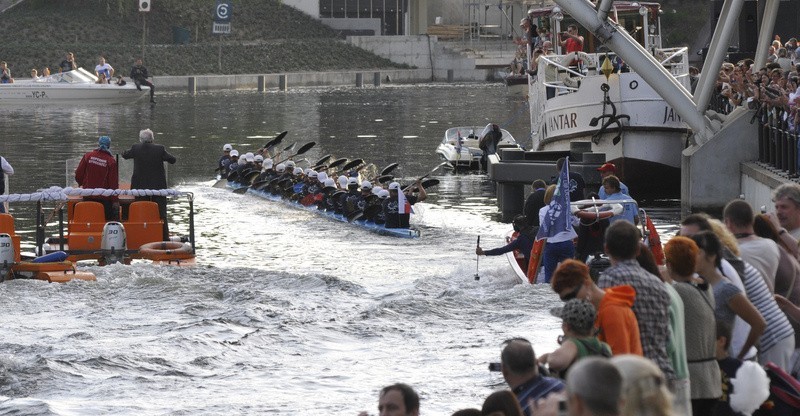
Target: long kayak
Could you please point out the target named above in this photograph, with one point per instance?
(367, 225)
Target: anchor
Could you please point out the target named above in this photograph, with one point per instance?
(612, 118)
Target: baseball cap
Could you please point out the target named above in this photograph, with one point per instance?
(352, 181)
(259, 158)
(607, 167)
(580, 314)
(383, 194)
(298, 171)
(227, 147)
(394, 186)
(281, 167)
(234, 152)
(250, 157)
(322, 176)
(366, 185)
(312, 174)
(290, 164)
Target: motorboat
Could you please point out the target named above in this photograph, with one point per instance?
(72, 87)
(593, 97)
(459, 147)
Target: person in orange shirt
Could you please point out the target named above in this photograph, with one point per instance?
(615, 319)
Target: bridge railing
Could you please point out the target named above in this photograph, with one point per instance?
(778, 141)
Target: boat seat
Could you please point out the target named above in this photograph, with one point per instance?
(144, 224)
(7, 227)
(85, 229)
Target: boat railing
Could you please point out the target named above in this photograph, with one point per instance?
(60, 196)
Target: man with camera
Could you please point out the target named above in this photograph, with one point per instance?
(521, 372)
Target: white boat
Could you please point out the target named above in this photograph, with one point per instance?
(571, 99)
(72, 87)
(460, 148)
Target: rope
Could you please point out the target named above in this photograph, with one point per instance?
(55, 193)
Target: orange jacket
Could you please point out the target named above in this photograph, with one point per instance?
(616, 321)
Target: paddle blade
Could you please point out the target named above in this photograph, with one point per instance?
(389, 168)
(276, 140)
(222, 183)
(241, 190)
(429, 183)
(322, 160)
(337, 162)
(352, 164)
(304, 148)
(384, 178)
(355, 216)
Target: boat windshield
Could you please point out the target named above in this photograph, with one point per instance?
(473, 133)
(78, 76)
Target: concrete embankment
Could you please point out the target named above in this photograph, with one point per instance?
(282, 82)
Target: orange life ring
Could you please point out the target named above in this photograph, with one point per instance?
(166, 250)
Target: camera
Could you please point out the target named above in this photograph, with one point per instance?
(763, 209)
(495, 367)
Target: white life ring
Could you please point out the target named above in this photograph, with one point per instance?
(594, 213)
(567, 59)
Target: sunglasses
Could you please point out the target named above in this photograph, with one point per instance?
(571, 295)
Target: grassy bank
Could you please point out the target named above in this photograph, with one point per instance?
(266, 37)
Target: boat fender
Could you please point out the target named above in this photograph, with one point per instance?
(54, 257)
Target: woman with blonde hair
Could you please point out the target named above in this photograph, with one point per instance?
(644, 387)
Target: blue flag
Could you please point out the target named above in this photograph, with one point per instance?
(557, 218)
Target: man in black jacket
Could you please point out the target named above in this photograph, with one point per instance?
(139, 76)
(148, 171)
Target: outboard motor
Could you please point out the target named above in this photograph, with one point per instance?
(7, 255)
(114, 243)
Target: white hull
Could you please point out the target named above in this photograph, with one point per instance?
(74, 87)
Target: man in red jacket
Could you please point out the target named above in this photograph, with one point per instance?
(98, 169)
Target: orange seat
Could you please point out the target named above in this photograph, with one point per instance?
(85, 229)
(7, 227)
(144, 224)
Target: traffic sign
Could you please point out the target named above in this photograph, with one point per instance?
(220, 28)
(222, 13)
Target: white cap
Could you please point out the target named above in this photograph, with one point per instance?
(249, 157)
(352, 181)
(242, 161)
(280, 168)
(376, 189)
(312, 173)
(227, 147)
(290, 164)
(259, 159)
(234, 152)
(366, 185)
(322, 176)
(298, 171)
(330, 182)
(307, 170)
(342, 181)
(383, 194)
(268, 164)
(394, 185)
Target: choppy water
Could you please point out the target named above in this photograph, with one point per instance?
(287, 313)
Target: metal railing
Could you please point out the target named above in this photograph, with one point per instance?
(777, 141)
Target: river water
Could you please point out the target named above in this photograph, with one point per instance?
(287, 313)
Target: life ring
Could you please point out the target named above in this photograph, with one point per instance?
(571, 57)
(166, 250)
(594, 213)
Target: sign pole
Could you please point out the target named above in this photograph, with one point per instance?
(144, 32)
(219, 54)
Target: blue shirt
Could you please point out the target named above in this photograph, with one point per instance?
(523, 243)
(629, 211)
(622, 187)
(535, 389)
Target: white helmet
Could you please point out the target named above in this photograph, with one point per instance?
(383, 194)
(298, 171)
(227, 147)
(280, 168)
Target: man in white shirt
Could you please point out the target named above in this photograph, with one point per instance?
(761, 253)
